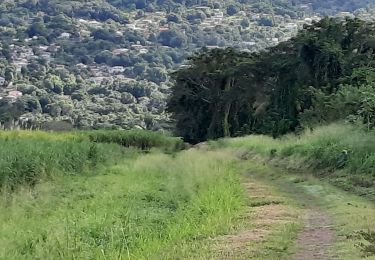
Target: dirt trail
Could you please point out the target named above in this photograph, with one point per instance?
(261, 217)
(313, 242)
(317, 237)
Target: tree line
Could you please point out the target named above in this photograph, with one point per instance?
(325, 73)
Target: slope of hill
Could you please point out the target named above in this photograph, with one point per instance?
(331, 7)
(96, 64)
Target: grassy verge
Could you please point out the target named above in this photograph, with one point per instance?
(322, 152)
(151, 207)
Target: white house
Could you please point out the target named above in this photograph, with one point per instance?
(14, 94)
(120, 51)
(2, 81)
(116, 69)
(65, 35)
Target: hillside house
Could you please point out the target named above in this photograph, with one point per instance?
(65, 35)
(211, 47)
(203, 8)
(2, 81)
(137, 46)
(43, 47)
(163, 29)
(120, 51)
(59, 66)
(81, 66)
(291, 26)
(14, 94)
(219, 14)
(250, 43)
(116, 69)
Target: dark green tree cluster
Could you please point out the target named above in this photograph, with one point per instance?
(224, 92)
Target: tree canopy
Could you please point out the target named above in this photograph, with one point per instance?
(224, 92)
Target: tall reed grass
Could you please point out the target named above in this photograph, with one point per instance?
(155, 206)
(28, 156)
(344, 154)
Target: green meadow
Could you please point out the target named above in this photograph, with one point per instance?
(142, 195)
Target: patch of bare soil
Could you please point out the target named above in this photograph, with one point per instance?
(316, 239)
(259, 220)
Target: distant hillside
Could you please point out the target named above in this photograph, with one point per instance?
(331, 7)
(106, 63)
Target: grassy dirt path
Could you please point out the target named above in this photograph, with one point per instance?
(317, 237)
(295, 216)
(268, 220)
(330, 218)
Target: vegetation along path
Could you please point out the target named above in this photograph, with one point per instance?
(86, 197)
(295, 216)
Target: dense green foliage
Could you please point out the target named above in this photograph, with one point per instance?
(341, 154)
(331, 6)
(326, 7)
(105, 64)
(26, 157)
(325, 73)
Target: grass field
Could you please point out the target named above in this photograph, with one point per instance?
(137, 195)
(153, 206)
(28, 156)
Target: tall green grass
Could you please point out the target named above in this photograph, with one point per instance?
(29, 156)
(26, 161)
(141, 139)
(321, 151)
(154, 206)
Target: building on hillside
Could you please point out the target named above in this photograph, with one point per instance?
(116, 69)
(14, 94)
(81, 66)
(137, 46)
(202, 8)
(211, 47)
(65, 35)
(2, 81)
(163, 29)
(219, 14)
(120, 51)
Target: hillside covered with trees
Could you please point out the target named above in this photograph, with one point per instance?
(106, 64)
(324, 74)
